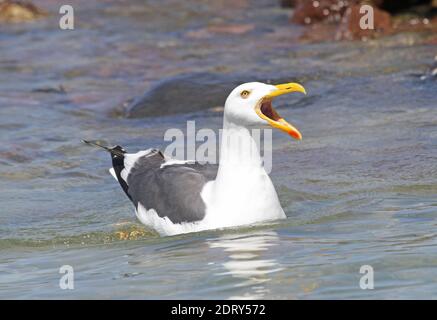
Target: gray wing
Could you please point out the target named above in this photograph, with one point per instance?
(173, 190)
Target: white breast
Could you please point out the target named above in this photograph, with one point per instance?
(249, 197)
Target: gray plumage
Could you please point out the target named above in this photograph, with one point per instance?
(173, 191)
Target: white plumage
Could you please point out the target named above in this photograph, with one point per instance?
(174, 196)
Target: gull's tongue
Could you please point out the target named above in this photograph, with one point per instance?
(268, 110)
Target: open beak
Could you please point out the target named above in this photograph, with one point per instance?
(265, 110)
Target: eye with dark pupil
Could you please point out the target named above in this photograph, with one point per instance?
(245, 94)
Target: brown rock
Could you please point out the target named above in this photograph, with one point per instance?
(311, 11)
(319, 32)
(343, 16)
(19, 11)
(350, 29)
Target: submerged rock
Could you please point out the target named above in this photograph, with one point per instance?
(185, 93)
(19, 11)
(191, 93)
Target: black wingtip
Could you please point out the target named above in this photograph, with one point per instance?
(115, 151)
(95, 144)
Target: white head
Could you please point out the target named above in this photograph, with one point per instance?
(250, 105)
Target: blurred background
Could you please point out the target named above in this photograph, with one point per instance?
(360, 189)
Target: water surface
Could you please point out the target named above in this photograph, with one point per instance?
(360, 189)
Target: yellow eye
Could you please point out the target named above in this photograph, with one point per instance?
(244, 94)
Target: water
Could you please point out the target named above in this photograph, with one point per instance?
(360, 189)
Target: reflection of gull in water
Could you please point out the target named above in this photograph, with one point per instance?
(247, 260)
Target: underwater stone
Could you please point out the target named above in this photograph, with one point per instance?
(19, 11)
(188, 93)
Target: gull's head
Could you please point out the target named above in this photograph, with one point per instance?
(250, 105)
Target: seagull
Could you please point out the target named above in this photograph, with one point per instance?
(174, 197)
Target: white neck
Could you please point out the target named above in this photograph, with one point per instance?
(242, 192)
(238, 151)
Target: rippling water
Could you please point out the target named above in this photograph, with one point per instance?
(360, 189)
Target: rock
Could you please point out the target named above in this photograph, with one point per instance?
(184, 93)
(319, 32)
(19, 11)
(321, 15)
(190, 93)
(349, 28)
(309, 11)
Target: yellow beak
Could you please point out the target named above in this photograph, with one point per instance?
(265, 110)
(287, 88)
